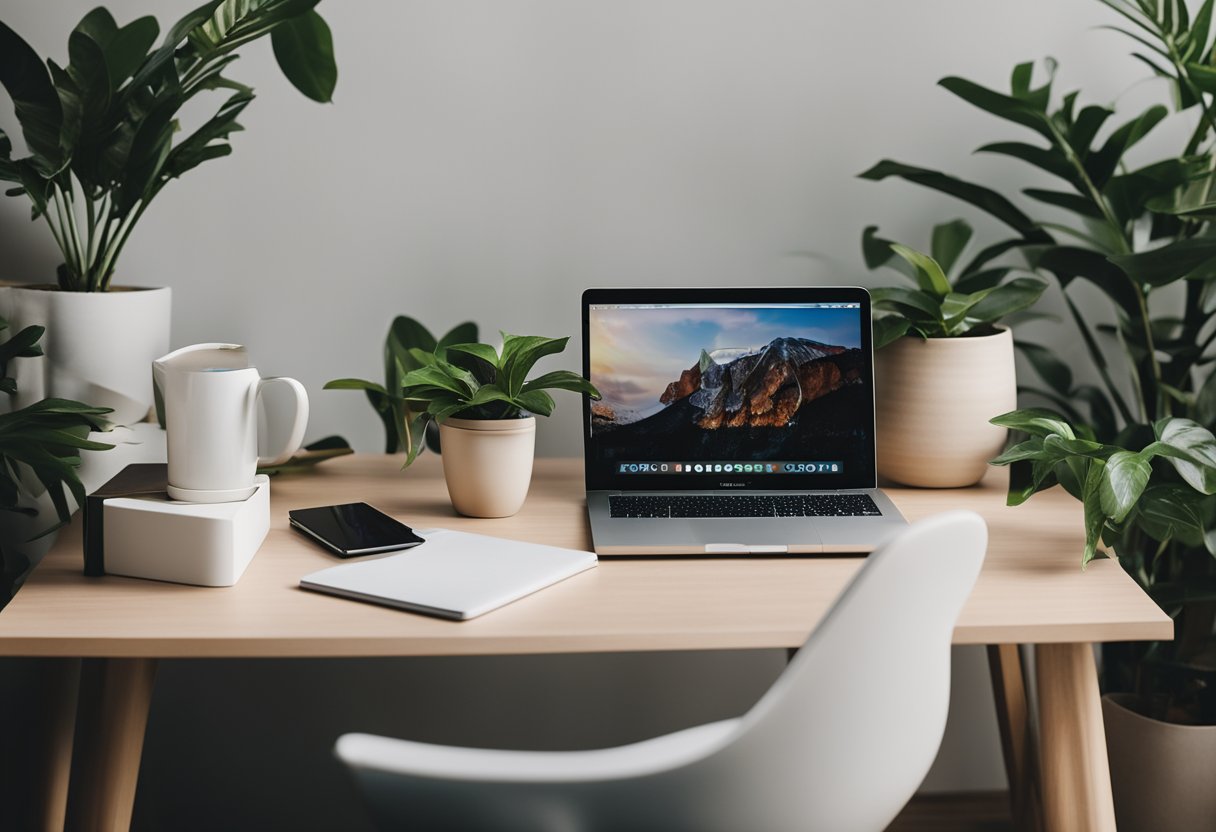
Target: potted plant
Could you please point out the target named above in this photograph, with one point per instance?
(1136, 449)
(39, 453)
(486, 408)
(100, 134)
(404, 336)
(944, 365)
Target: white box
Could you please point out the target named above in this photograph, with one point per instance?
(186, 543)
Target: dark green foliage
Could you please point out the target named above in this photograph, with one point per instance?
(101, 130)
(39, 443)
(1137, 450)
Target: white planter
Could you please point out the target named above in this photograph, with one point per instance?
(99, 346)
(1162, 774)
(933, 399)
(487, 464)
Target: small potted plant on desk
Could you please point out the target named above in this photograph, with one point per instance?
(944, 365)
(486, 408)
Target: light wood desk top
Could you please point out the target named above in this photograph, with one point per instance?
(1032, 589)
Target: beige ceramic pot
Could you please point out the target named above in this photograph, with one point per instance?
(487, 464)
(1162, 774)
(933, 399)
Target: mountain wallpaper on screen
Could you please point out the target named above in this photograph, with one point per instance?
(794, 398)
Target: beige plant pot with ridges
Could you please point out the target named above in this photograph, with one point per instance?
(933, 399)
(487, 464)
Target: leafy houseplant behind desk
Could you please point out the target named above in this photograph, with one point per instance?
(1029, 592)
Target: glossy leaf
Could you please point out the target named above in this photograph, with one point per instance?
(1123, 481)
(888, 329)
(35, 102)
(1036, 421)
(949, 240)
(983, 198)
(304, 48)
(1019, 293)
(929, 275)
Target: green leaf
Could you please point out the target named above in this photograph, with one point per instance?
(201, 145)
(483, 351)
(1075, 203)
(1191, 449)
(354, 384)
(520, 354)
(888, 329)
(1048, 365)
(949, 240)
(304, 48)
(35, 102)
(981, 280)
(908, 302)
(562, 380)
(877, 252)
(311, 456)
(1124, 479)
(1036, 421)
(488, 393)
(983, 198)
(432, 377)
(537, 402)
(1069, 263)
(1029, 449)
(1170, 512)
(1103, 163)
(1017, 110)
(929, 275)
(129, 47)
(1194, 258)
(1048, 159)
(1019, 293)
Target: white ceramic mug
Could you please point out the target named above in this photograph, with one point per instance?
(211, 402)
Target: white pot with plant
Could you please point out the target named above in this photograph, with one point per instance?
(943, 366)
(100, 135)
(486, 408)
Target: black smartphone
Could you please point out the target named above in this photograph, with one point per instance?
(353, 529)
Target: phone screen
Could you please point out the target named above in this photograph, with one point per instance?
(354, 529)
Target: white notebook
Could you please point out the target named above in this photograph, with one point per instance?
(453, 575)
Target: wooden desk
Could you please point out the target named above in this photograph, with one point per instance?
(1031, 590)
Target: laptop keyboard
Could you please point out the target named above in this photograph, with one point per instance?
(743, 505)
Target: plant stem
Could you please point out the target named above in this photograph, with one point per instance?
(120, 239)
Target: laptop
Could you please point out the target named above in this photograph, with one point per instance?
(733, 421)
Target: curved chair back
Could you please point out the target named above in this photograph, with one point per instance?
(844, 738)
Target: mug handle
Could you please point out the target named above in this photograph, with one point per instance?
(295, 434)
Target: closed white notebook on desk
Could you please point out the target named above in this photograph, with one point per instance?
(453, 575)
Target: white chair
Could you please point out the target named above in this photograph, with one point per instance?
(840, 742)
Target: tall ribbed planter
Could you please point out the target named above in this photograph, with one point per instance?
(933, 399)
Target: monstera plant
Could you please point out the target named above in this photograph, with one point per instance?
(103, 133)
(1135, 448)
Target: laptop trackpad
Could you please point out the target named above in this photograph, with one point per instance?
(752, 536)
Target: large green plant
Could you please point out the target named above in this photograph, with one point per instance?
(40, 443)
(949, 299)
(101, 129)
(406, 347)
(1136, 449)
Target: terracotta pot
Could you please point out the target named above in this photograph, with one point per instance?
(1162, 774)
(487, 464)
(99, 346)
(933, 399)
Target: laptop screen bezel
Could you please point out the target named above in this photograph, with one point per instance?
(602, 480)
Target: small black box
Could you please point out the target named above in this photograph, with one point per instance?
(141, 480)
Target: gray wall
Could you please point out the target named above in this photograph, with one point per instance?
(488, 161)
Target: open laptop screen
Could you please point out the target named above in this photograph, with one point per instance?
(707, 389)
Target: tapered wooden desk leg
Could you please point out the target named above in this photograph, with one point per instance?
(1017, 737)
(59, 682)
(115, 695)
(1072, 741)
